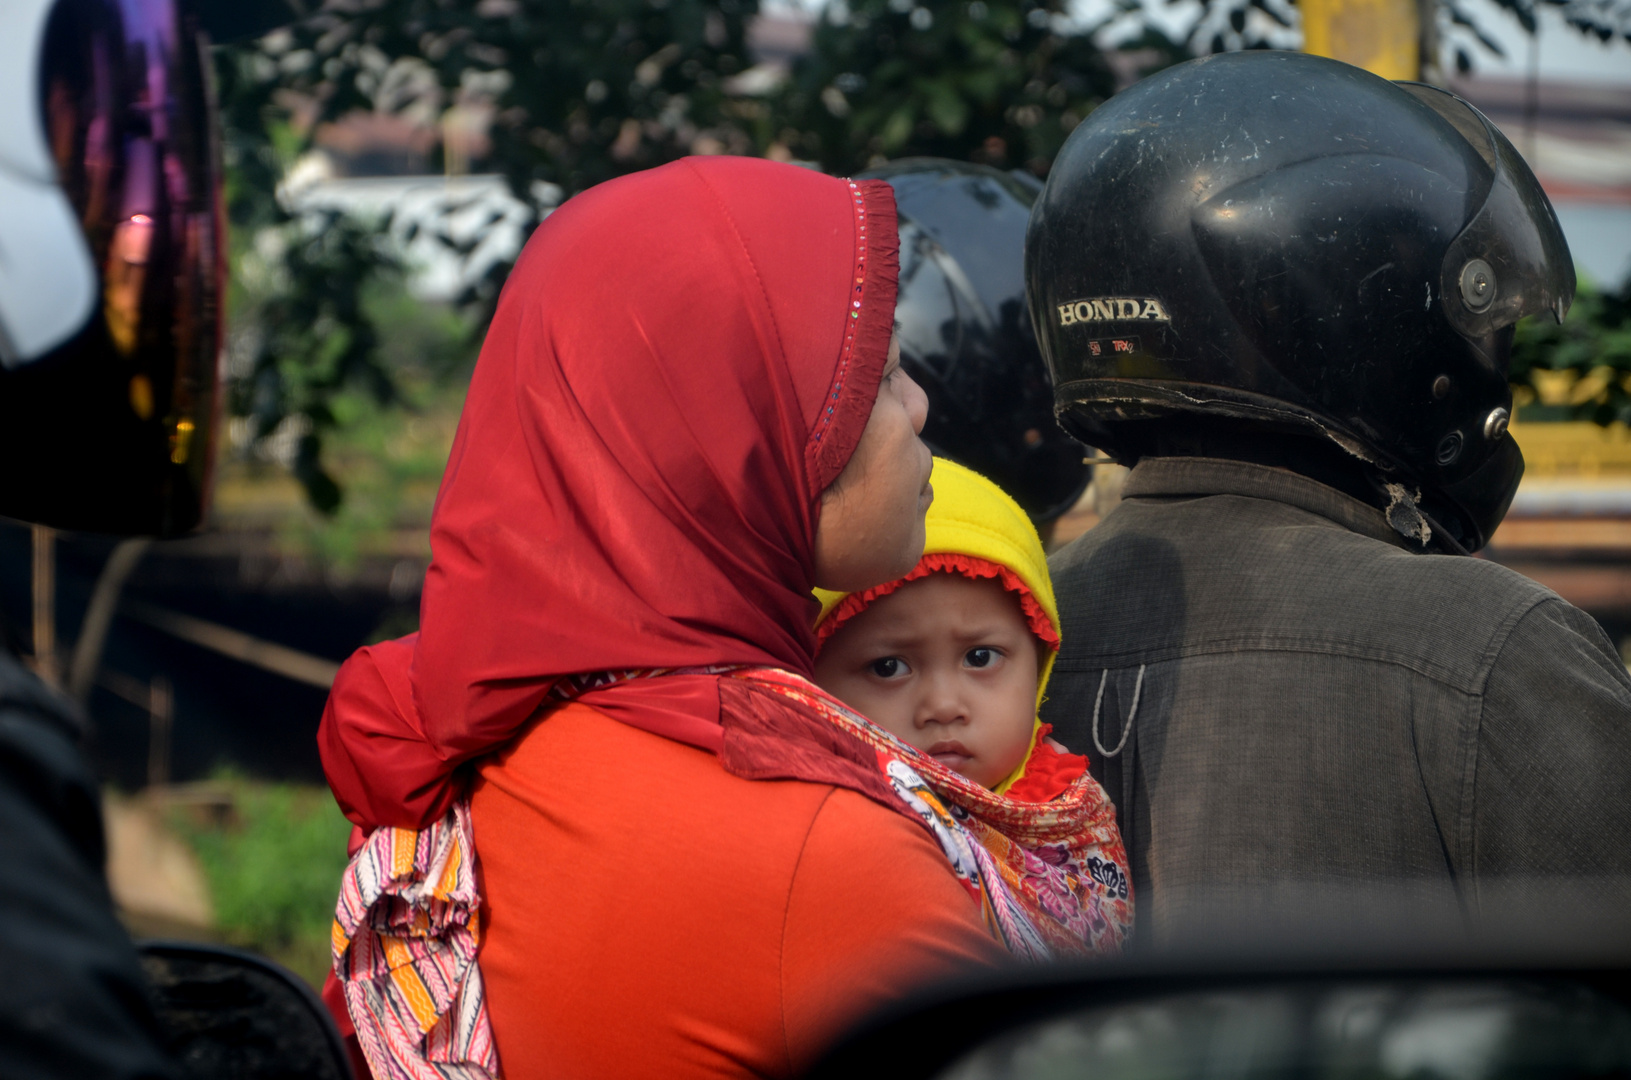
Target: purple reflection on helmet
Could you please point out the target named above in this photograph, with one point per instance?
(121, 417)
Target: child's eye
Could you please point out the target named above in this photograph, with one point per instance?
(888, 667)
(984, 656)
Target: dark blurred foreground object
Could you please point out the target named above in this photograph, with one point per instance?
(1370, 1010)
(965, 334)
(1283, 245)
(230, 21)
(227, 1013)
(112, 274)
(73, 1002)
(1454, 1024)
(110, 286)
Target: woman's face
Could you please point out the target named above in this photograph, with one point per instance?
(871, 527)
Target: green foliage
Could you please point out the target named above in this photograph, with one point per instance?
(300, 331)
(583, 92)
(994, 81)
(1592, 346)
(274, 870)
(584, 89)
(309, 335)
(580, 91)
(391, 458)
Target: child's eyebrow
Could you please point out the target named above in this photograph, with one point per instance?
(885, 643)
(882, 639)
(990, 633)
(973, 634)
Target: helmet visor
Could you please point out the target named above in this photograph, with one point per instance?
(1511, 260)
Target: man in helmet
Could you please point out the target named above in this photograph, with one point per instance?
(966, 338)
(1283, 290)
(111, 281)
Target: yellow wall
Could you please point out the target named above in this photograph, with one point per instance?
(1381, 36)
(1574, 450)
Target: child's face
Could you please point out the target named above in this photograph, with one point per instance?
(945, 663)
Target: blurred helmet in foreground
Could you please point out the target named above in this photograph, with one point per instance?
(966, 337)
(111, 267)
(1284, 243)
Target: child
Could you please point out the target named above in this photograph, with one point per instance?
(953, 660)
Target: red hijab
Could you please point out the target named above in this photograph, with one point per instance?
(681, 362)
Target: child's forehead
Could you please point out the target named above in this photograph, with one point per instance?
(945, 602)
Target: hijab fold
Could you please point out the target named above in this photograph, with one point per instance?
(681, 362)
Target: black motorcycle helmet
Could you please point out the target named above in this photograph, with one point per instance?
(966, 337)
(1271, 242)
(110, 177)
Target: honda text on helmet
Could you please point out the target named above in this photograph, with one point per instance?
(965, 336)
(1278, 243)
(111, 265)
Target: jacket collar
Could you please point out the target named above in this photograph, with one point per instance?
(1168, 477)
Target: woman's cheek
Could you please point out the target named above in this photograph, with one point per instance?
(910, 456)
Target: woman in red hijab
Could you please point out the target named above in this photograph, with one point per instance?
(685, 415)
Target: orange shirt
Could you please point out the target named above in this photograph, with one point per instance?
(650, 914)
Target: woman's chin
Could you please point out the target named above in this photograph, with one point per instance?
(902, 566)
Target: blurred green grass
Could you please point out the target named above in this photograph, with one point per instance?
(273, 865)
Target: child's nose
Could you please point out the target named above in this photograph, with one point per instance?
(941, 702)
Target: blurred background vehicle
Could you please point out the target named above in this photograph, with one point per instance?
(384, 164)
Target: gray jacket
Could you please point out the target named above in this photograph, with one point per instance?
(1320, 704)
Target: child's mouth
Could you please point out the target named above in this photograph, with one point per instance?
(950, 753)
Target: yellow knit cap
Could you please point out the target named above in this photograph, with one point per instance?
(972, 516)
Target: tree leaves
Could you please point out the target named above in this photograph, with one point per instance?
(999, 82)
(574, 74)
(580, 91)
(313, 335)
(1592, 347)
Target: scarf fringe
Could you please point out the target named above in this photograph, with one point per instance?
(406, 931)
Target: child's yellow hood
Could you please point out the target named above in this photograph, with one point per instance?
(973, 516)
